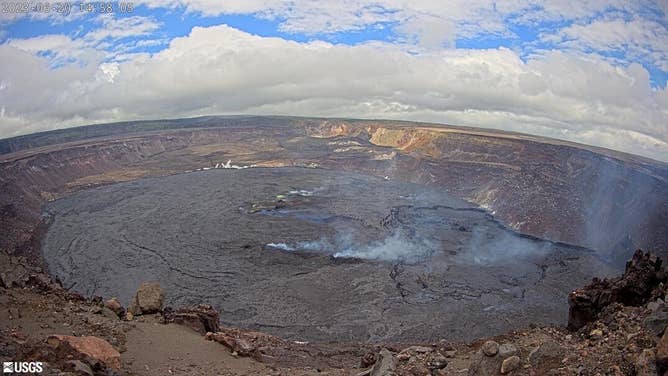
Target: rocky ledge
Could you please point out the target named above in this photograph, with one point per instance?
(616, 327)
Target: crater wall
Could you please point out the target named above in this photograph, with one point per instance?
(604, 200)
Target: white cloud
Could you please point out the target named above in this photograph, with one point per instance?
(637, 39)
(534, 12)
(428, 32)
(427, 22)
(218, 70)
(118, 28)
(48, 42)
(108, 71)
(58, 49)
(104, 42)
(472, 17)
(595, 26)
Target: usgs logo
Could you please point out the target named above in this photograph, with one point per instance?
(22, 367)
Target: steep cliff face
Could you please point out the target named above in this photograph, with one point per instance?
(30, 178)
(599, 199)
(548, 189)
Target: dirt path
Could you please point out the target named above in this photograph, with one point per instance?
(156, 349)
(28, 317)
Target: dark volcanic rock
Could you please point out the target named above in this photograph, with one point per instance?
(202, 318)
(624, 196)
(193, 254)
(657, 321)
(643, 274)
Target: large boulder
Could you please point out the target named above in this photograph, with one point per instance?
(202, 318)
(91, 347)
(643, 274)
(149, 299)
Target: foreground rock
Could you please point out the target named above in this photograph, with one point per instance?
(662, 354)
(94, 348)
(622, 340)
(644, 272)
(149, 299)
(386, 364)
(510, 364)
(278, 352)
(646, 364)
(494, 359)
(246, 343)
(18, 272)
(421, 360)
(547, 356)
(202, 318)
(115, 306)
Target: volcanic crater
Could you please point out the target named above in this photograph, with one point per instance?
(332, 230)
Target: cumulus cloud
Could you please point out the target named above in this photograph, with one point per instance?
(591, 89)
(222, 70)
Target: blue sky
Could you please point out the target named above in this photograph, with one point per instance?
(592, 72)
(178, 21)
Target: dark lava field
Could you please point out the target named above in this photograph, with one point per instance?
(314, 254)
(343, 230)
